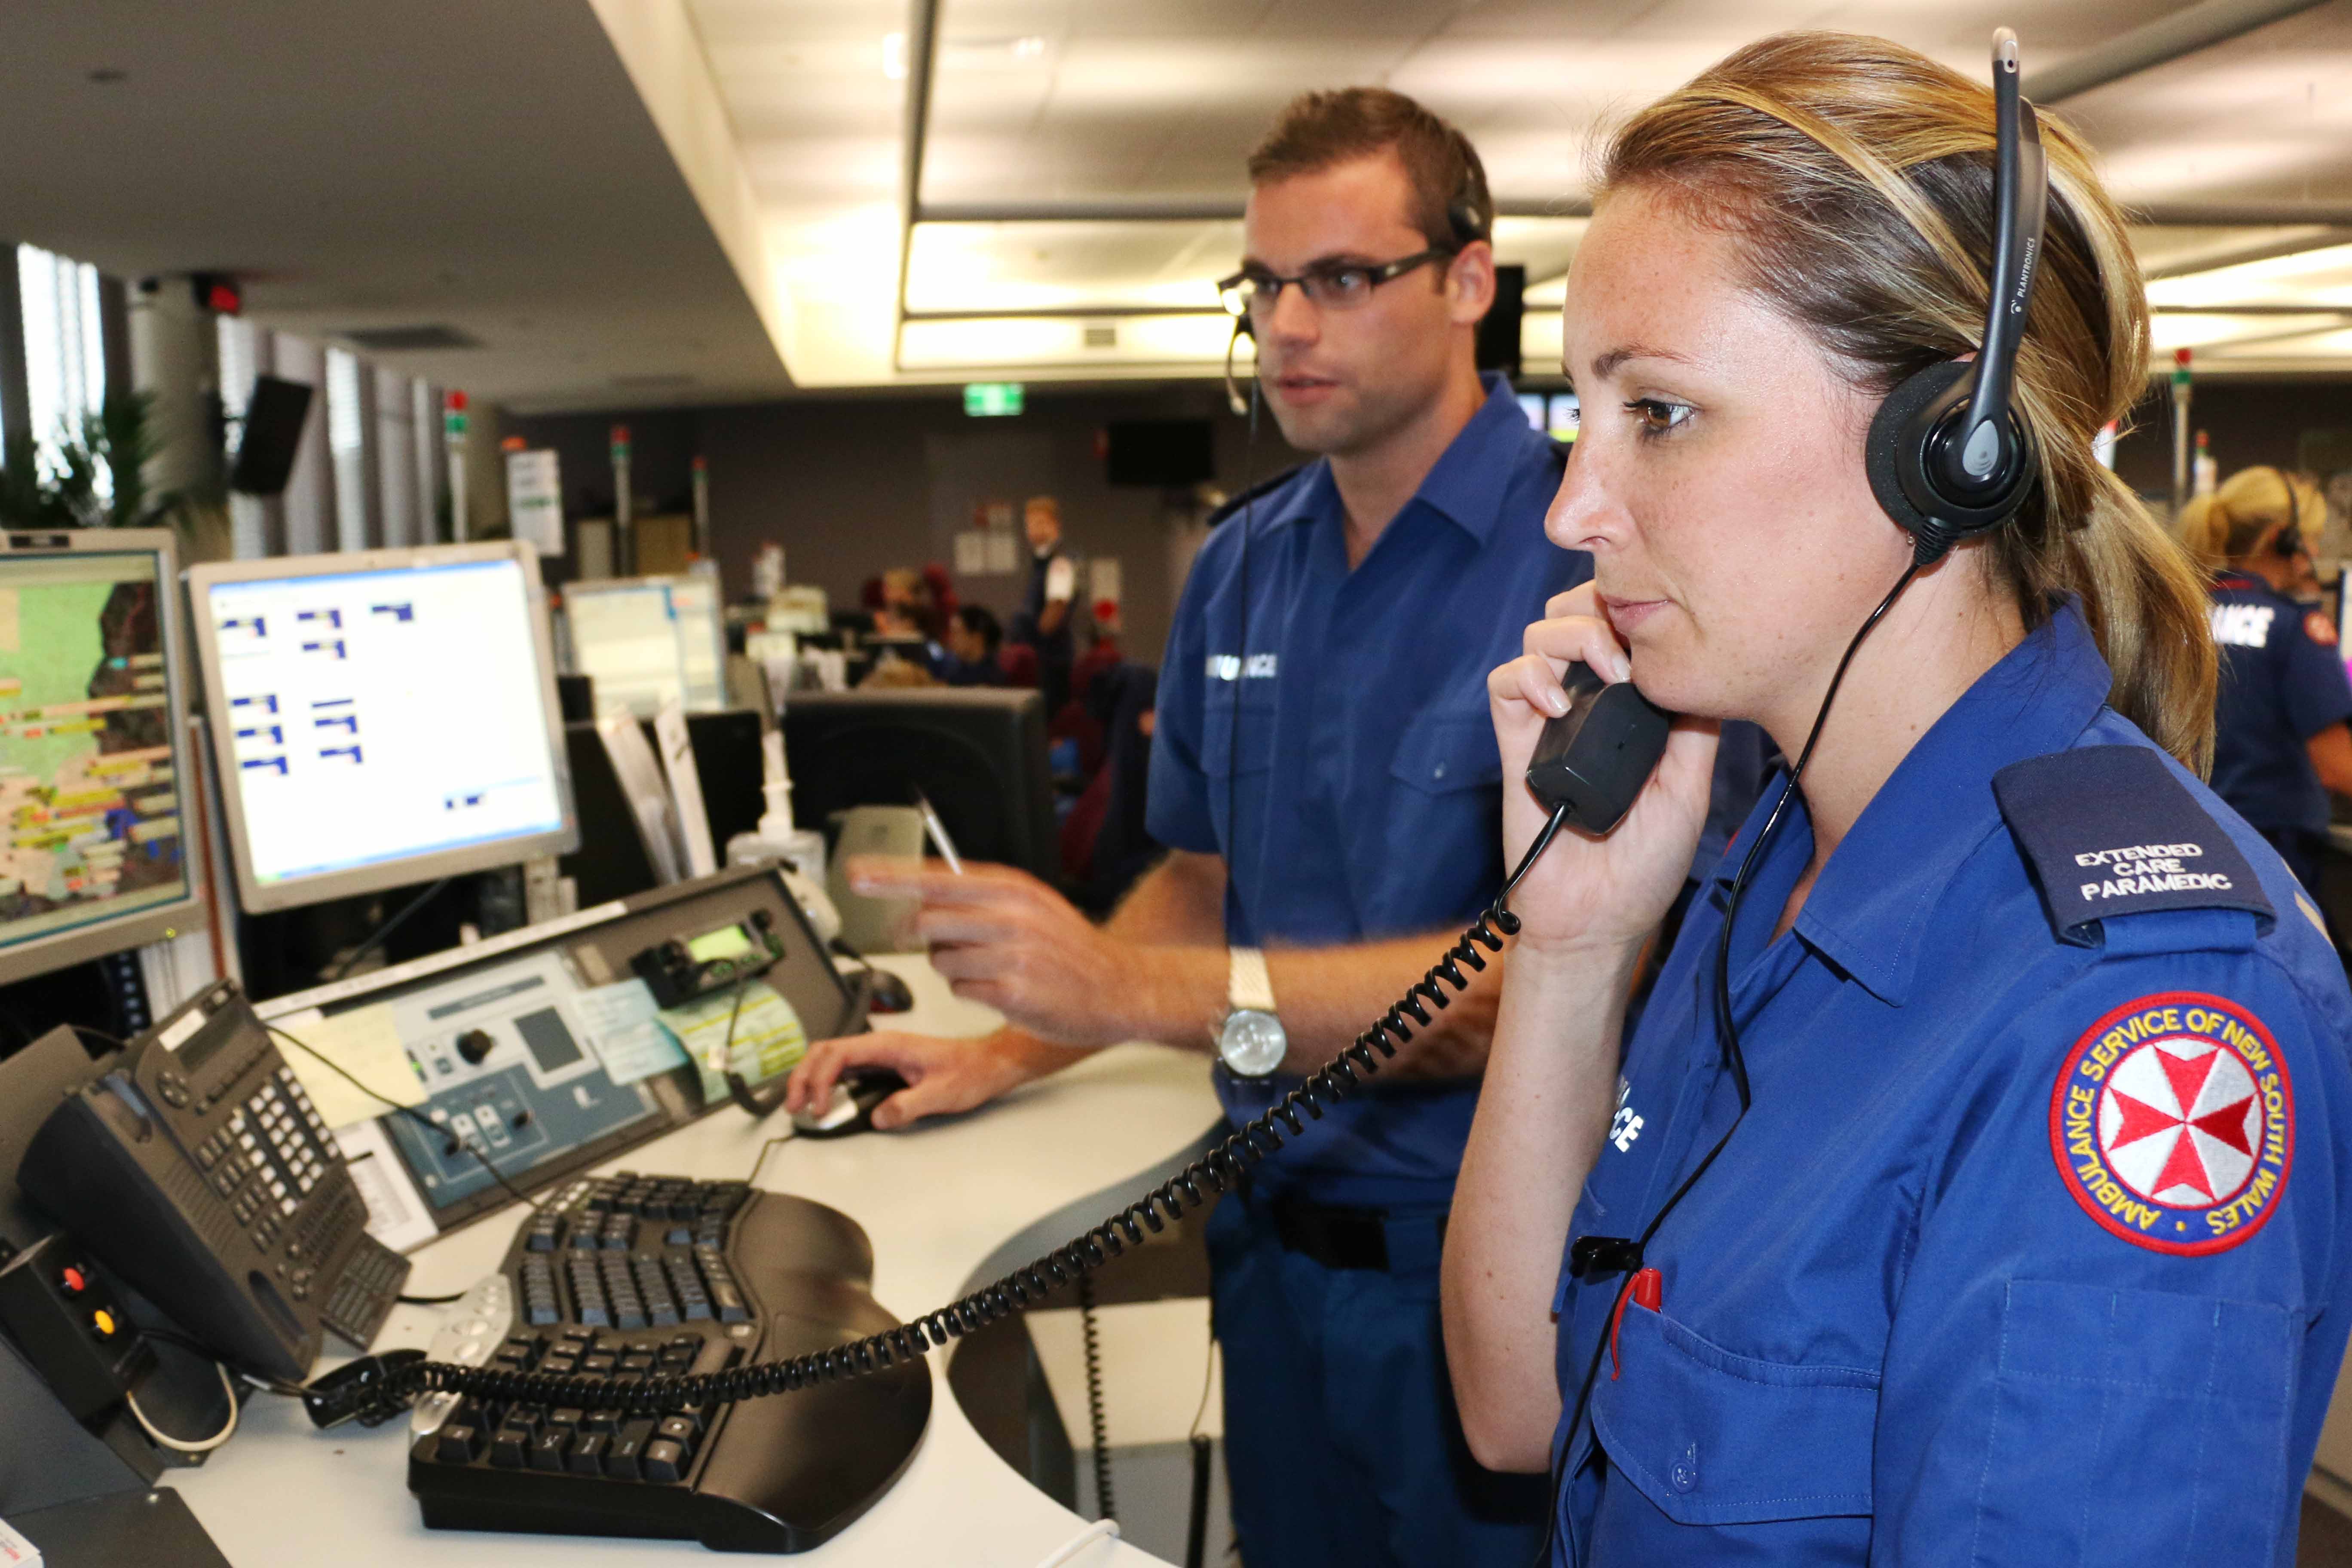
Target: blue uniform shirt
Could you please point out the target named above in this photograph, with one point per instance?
(2032, 1248)
(2282, 682)
(1340, 758)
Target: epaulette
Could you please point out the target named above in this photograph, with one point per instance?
(2109, 831)
(1258, 491)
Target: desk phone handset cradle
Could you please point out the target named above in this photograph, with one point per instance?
(1588, 768)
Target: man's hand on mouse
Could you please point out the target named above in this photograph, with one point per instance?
(1002, 938)
(943, 1076)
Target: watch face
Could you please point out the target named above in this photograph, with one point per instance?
(1253, 1043)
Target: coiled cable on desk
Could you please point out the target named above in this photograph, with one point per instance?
(1105, 1507)
(1222, 1167)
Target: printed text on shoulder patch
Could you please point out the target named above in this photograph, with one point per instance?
(2173, 1122)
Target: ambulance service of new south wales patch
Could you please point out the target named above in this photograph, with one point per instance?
(2173, 1122)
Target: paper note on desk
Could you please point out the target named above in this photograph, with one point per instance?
(625, 1025)
(364, 1043)
(768, 1037)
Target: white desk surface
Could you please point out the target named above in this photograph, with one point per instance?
(947, 1204)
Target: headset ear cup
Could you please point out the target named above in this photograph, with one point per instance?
(1905, 420)
(1897, 454)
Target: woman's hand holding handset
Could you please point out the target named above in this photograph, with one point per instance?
(1592, 892)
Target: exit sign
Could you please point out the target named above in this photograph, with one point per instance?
(983, 399)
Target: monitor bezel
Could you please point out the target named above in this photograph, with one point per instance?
(594, 585)
(159, 923)
(256, 898)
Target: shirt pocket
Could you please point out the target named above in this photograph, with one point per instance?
(1237, 730)
(1713, 1438)
(2136, 1426)
(1440, 752)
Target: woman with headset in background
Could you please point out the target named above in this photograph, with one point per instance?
(1974, 1188)
(2280, 742)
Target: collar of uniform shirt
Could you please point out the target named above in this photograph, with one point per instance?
(1461, 487)
(1869, 913)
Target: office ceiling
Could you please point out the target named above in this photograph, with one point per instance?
(484, 167)
(1082, 157)
(634, 202)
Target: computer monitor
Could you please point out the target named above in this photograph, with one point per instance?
(978, 753)
(612, 861)
(645, 641)
(380, 717)
(94, 757)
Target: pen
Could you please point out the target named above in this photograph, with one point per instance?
(939, 832)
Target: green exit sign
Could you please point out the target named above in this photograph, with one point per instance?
(983, 399)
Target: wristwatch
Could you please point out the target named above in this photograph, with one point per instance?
(1251, 1042)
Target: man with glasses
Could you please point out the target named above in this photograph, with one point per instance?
(1325, 776)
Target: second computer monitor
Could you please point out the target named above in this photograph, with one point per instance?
(977, 753)
(380, 717)
(647, 640)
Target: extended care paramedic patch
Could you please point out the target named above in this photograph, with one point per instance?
(2173, 1122)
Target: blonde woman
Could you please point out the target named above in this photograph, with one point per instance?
(2006, 1221)
(2279, 742)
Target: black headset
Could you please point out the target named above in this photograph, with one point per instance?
(1948, 458)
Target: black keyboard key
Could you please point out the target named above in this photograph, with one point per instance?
(599, 1420)
(549, 1448)
(560, 1365)
(682, 1429)
(624, 1454)
(587, 1457)
(540, 1311)
(637, 1361)
(457, 1445)
(663, 1461)
(730, 1306)
(511, 1447)
(568, 1418)
(602, 1361)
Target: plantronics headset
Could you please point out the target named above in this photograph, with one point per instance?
(1948, 458)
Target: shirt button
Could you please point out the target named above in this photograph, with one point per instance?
(1683, 1472)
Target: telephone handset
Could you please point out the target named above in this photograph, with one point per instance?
(1593, 760)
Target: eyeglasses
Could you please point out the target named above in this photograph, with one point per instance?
(1328, 285)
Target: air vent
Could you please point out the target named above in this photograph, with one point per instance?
(407, 340)
(1102, 335)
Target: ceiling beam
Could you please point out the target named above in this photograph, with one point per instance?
(2160, 42)
(922, 49)
(1181, 209)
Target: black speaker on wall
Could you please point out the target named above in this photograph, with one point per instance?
(272, 434)
(1498, 334)
(1158, 454)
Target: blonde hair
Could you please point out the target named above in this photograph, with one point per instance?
(2237, 519)
(1857, 177)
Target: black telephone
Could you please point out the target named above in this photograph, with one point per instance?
(1594, 759)
(196, 1169)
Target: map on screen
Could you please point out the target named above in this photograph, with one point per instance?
(88, 787)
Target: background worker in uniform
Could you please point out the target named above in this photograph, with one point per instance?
(2279, 743)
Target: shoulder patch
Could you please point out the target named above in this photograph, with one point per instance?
(2173, 1122)
(2319, 628)
(2108, 831)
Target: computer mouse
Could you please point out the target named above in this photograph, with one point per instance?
(855, 1095)
(891, 994)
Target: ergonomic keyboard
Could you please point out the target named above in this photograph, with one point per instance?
(628, 1277)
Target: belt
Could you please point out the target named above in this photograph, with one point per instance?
(1343, 1237)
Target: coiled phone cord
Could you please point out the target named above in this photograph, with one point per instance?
(1105, 1507)
(1222, 1167)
